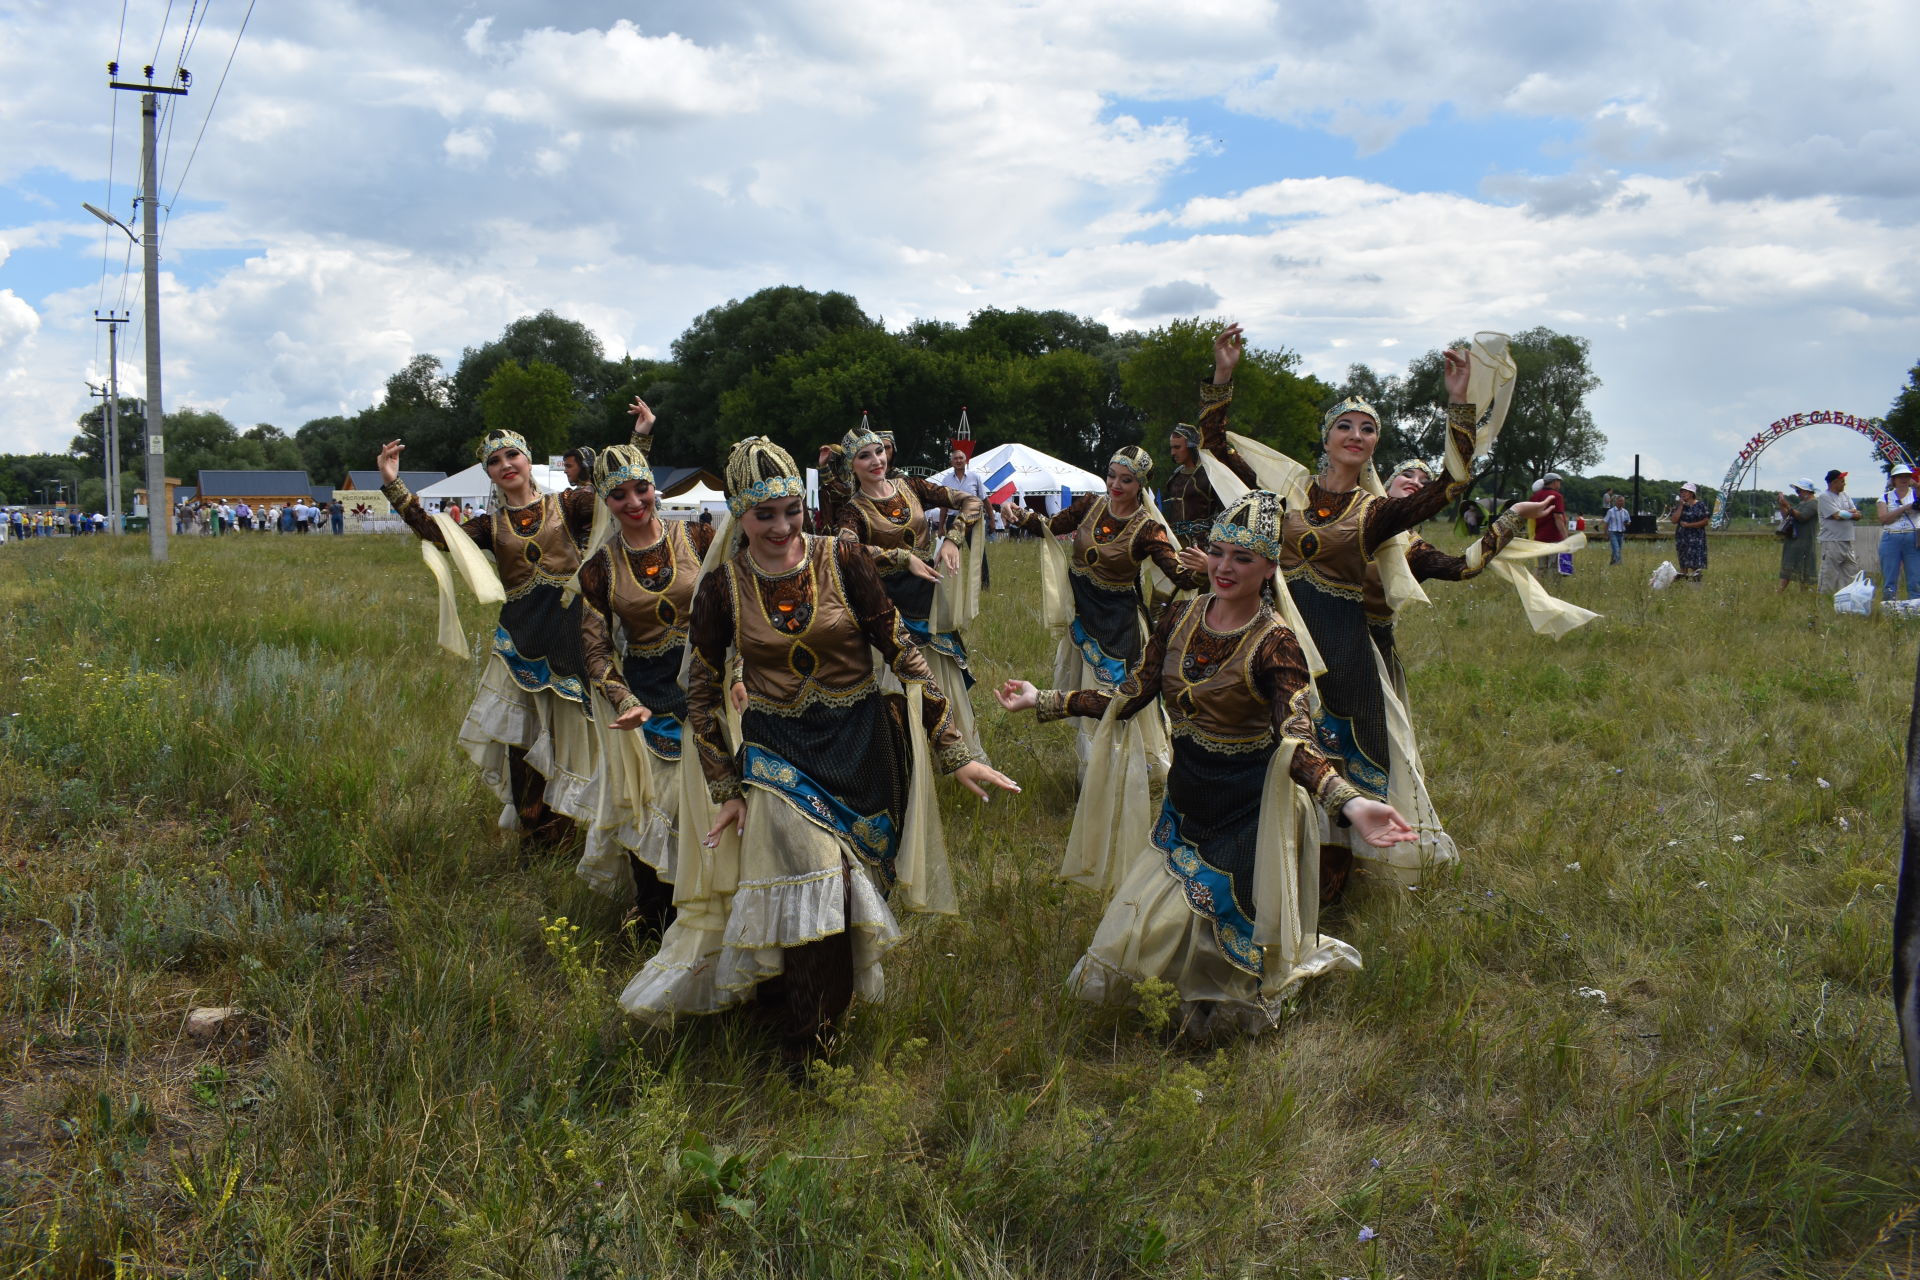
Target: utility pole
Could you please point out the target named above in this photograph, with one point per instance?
(158, 514)
(110, 426)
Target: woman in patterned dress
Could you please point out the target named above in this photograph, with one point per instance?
(825, 803)
(1222, 901)
(889, 516)
(1335, 528)
(527, 728)
(1690, 517)
(1114, 533)
(638, 586)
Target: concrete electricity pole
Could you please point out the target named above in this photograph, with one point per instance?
(159, 517)
(110, 426)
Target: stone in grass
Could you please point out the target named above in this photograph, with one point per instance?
(209, 1021)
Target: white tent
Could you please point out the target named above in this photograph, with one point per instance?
(1036, 474)
(472, 484)
(693, 501)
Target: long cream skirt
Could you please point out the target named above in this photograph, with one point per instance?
(556, 735)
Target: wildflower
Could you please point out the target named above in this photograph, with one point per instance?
(1739, 839)
(1573, 866)
(1375, 1162)
(1759, 777)
(1672, 843)
(1591, 993)
(1366, 1234)
(1843, 824)
(1701, 885)
(1824, 784)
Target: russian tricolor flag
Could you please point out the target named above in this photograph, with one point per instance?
(1000, 485)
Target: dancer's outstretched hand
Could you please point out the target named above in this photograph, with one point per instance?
(739, 695)
(1531, 510)
(732, 814)
(1193, 558)
(1017, 695)
(977, 775)
(949, 556)
(631, 718)
(389, 461)
(642, 416)
(1226, 354)
(921, 569)
(1458, 368)
(1380, 825)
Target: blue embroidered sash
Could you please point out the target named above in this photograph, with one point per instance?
(946, 643)
(1110, 671)
(1209, 892)
(663, 735)
(874, 837)
(535, 674)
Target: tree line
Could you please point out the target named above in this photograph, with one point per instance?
(801, 366)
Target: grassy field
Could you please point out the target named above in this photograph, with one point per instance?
(232, 781)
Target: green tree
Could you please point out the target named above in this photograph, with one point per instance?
(536, 400)
(546, 338)
(1272, 401)
(722, 349)
(200, 439)
(1548, 427)
(1903, 418)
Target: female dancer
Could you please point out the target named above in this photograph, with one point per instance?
(1114, 534)
(1334, 529)
(830, 790)
(890, 516)
(1429, 562)
(527, 728)
(1214, 902)
(638, 585)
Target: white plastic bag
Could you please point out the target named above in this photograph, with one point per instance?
(1855, 597)
(1663, 576)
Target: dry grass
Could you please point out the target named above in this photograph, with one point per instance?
(232, 781)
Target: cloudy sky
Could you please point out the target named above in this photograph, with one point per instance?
(1721, 198)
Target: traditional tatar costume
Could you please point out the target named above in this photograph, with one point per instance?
(896, 531)
(527, 728)
(837, 778)
(1189, 502)
(1096, 596)
(1220, 895)
(1331, 544)
(639, 607)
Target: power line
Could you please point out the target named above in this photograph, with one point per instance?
(185, 36)
(186, 50)
(161, 39)
(214, 102)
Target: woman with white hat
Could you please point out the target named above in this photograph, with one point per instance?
(1899, 533)
(1690, 517)
(1799, 522)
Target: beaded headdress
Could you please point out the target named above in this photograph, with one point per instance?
(617, 464)
(1352, 404)
(1134, 459)
(585, 455)
(758, 470)
(1187, 431)
(1253, 523)
(862, 436)
(1412, 464)
(499, 438)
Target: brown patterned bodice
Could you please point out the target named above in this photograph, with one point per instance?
(651, 590)
(533, 546)
(1330, 549)
(896, 522)
(1207, 682)
(1103, 546)
(798, 636)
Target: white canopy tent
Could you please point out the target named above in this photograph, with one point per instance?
(1036, 474)
(472, 485)
(692, 502)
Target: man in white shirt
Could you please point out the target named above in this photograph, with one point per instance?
(960, 476)
(1838, 515)
(1617, 517)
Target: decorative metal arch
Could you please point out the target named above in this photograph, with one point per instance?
(1885, 446)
